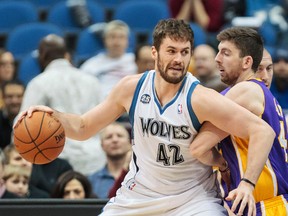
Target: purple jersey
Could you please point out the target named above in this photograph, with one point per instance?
(273, 180)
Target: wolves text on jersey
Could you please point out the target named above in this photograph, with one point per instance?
(162, 129)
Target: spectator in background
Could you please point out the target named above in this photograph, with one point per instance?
(209, 16)
(4, 194)
(205, 68)
(279, 86)
(66, 88)
(7, 69)
(14, 158)
(44, 176)
(265, 69)
(118, 182)
(115, 63)
(73, 185)
(143, 58)
(16, 179)
(12, 92)
(115, 141)
(202, 12)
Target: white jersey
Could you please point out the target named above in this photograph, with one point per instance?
(162, 169)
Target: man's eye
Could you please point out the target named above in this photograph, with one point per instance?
(185, 52)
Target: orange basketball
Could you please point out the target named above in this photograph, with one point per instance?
(39, 139)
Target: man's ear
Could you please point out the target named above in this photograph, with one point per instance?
(247, 62)
(154, 53)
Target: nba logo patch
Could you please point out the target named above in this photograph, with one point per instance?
(179, 108)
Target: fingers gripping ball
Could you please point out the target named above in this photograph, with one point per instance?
(39, 139)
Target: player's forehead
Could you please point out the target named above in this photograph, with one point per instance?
(169, 42)
(266, 61)
(266, 58)
(227, 45)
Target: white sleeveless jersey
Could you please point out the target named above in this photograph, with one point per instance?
(161, 137)
(163, 178)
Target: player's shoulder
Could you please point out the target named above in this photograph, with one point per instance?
(126, 86)
(249, 95)
(131, 80)
(203, 95)
(246, 87)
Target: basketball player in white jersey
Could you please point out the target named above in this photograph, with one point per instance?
(166, 107)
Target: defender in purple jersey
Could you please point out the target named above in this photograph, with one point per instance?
(240, 52)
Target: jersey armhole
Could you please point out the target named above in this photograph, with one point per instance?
(136, 94)
(192, 115)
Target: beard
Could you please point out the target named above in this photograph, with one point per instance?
(164, 72)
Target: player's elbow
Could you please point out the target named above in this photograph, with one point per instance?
(270, 133)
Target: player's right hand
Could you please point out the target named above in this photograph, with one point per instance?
(29, 113)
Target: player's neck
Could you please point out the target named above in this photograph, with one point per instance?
(245, 76)
(165, 91)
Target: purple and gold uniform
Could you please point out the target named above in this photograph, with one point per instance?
(271, 191)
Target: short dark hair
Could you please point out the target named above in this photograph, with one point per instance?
(173, 28)
(247, 40)
(51, 47)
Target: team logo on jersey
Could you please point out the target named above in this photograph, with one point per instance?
(145, 98)
(179, 108)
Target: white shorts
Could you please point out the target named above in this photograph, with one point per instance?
(190, 203)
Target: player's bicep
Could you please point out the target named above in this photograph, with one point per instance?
(222, 112)
(116, 103)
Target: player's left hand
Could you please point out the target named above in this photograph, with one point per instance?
(243, 194)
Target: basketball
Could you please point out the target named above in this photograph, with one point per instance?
(39, 139)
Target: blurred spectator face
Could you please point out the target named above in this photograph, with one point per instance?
(281, 64)
(116, 42)
(17, 184)
(12, 96)
(281, 68)
(16, 159)
(74, 190)
(7, 67)
(204, 61)
(265, 69)
(115, 141)
(144, 60)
